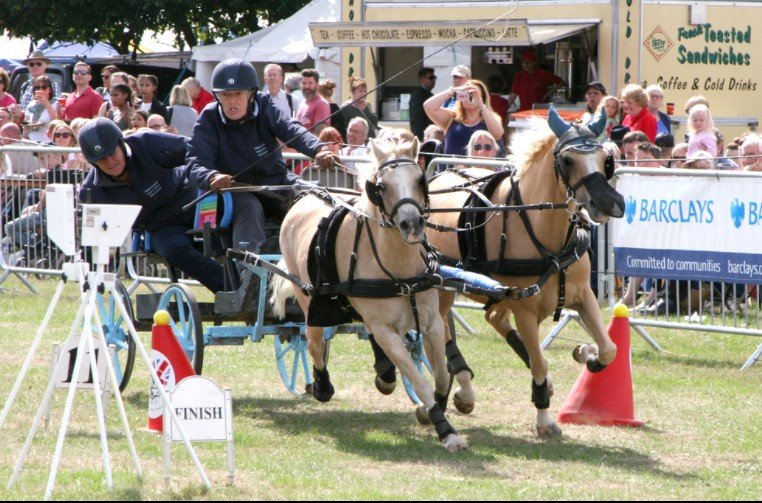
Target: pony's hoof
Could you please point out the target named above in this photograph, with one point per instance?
(385, 388)
(463, 406)
(584, 351)
(322, 395)
(455, 443)
(422, 415)
(548, 431)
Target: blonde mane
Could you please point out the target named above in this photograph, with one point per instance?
(390, 145)
(531, 144)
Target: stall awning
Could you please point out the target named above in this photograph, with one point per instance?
(545, 32)
(421, 33)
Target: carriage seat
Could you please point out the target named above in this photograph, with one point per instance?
(212, 223)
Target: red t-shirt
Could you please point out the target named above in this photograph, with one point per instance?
(7, 101)
(644, 122)
(203, 99)
(314, 111)
(86, 105)
(532, 87)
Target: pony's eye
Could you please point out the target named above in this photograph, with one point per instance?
(381, 186)
(568, 161)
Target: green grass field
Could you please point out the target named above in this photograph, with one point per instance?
(702, 439)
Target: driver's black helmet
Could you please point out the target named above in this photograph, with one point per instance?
(99, 138)
(234, 74)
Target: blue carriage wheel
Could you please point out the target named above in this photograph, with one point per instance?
(421, 362)
(117, 334)
(185, 321)
(418, 355)
(293, 363)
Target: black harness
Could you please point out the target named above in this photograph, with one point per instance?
(329, 305)
(471, 235)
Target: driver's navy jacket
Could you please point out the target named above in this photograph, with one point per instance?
(221, 146)
(155, 162)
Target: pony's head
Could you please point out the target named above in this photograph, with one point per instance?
(398, 186)
(585, 166)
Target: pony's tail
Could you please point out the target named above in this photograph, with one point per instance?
(281, 290)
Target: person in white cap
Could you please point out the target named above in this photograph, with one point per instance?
(460, 75)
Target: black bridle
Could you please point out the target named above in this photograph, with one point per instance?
(580, 140)
(374, 190)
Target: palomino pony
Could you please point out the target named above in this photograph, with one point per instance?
(564, 165)
(377, 258)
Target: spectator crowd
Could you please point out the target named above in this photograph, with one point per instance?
(469, 118)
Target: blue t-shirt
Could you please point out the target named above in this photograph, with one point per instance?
(458, 135)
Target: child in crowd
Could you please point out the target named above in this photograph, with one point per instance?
(701, 130)
(610, 106)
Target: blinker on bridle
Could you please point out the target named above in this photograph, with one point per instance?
(374, 190)
(576, 139)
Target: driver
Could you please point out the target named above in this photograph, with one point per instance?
(237, 135)
(146, 169)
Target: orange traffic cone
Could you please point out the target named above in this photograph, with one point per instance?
(606, 398)
(171, 365)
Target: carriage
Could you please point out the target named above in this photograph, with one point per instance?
(198, 324)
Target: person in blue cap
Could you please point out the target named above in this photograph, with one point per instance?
(147, 169)
(236, 139)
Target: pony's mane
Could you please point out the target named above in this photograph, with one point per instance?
(530, 144)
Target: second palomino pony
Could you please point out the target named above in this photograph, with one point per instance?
(371, 262)
(564, 165)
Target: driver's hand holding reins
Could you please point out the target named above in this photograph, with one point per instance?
(325, 159)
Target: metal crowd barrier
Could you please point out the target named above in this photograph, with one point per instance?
(24, 173)
(686, 304)
(145, 270)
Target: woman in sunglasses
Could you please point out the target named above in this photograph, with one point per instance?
(40, 111)
(482, 145)
(63, 136)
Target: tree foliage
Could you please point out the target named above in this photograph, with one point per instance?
(122, 23)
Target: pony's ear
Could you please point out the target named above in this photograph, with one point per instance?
(597, 124)
(378, 152)
(413, 147)
(556, 123)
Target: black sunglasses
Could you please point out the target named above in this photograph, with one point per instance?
(39, 88)
(478, 147)
(62, 135)
(81, 72)
(34, 63)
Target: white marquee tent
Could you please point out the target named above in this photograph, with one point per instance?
(288, 41)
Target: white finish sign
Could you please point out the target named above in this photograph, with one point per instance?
(204, 409)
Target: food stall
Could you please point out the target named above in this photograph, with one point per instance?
(689, 47)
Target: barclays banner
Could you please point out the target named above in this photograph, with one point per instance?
(690, 228)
